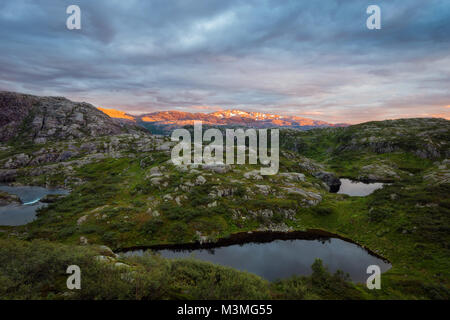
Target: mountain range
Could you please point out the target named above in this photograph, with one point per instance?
(164, 121)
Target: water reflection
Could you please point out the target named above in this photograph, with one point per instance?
(284, 258)
(356, 188)
(20, 214)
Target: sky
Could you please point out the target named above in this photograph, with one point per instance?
(309, 58)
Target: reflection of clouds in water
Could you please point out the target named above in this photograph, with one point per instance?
(284, 258)
(31, 202)
(29, 193)
(355, 188)
(16, 215)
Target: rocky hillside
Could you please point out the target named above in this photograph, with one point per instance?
(40, 162)
(27, 118)
(382, 150)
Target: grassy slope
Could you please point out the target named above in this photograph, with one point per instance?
(118, 190)
(347, 150)
(407, 222)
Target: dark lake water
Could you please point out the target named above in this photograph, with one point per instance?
(15, 214)
(283, 258)
(357, 188)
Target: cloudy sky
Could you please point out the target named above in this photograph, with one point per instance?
(311, 58)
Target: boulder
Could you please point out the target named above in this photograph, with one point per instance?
(6, 199)
(217, 168)
(156, 181)
(18, 161)
(254, 175)
(200, 180)
(66, 155)
(83, 241)
(293, 176)
(155, 172)
(377, 172)
(212, 204)
(8, 175)
(106, 251)
(263, 189)
(81, 220)
(330, 179)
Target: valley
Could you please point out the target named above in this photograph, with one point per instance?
(124, 193)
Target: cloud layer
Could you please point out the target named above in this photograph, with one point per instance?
(307, 58)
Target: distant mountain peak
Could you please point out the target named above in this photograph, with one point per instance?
(116, 114)
(167, 120)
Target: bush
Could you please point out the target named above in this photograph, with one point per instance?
(320, 285)
(277, 217)
(323, 211)
(37, 270)
(67, 231)
(152, 226)
(89, 229)
(110, 237)
(173, 212)
(210, 281)
(199, 199)
(177, 231)
(377, 214)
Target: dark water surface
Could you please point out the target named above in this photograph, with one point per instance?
(19, 214)
(357, 188)
(283, 258)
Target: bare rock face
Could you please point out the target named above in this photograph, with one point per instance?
(293, 176)
(8, 175)
(378, 172)
(254, 174)
(6, 199)
(330, 179)
(41, 119)
(17, 161)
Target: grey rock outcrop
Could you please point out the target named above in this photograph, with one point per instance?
(330, 179)
(6, 199)
(42, 119)
(254, 174)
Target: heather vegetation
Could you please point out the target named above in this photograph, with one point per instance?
(36, 270)
(126, 193)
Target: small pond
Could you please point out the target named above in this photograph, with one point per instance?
(20, 214)
(283, 258)
(357, 188)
